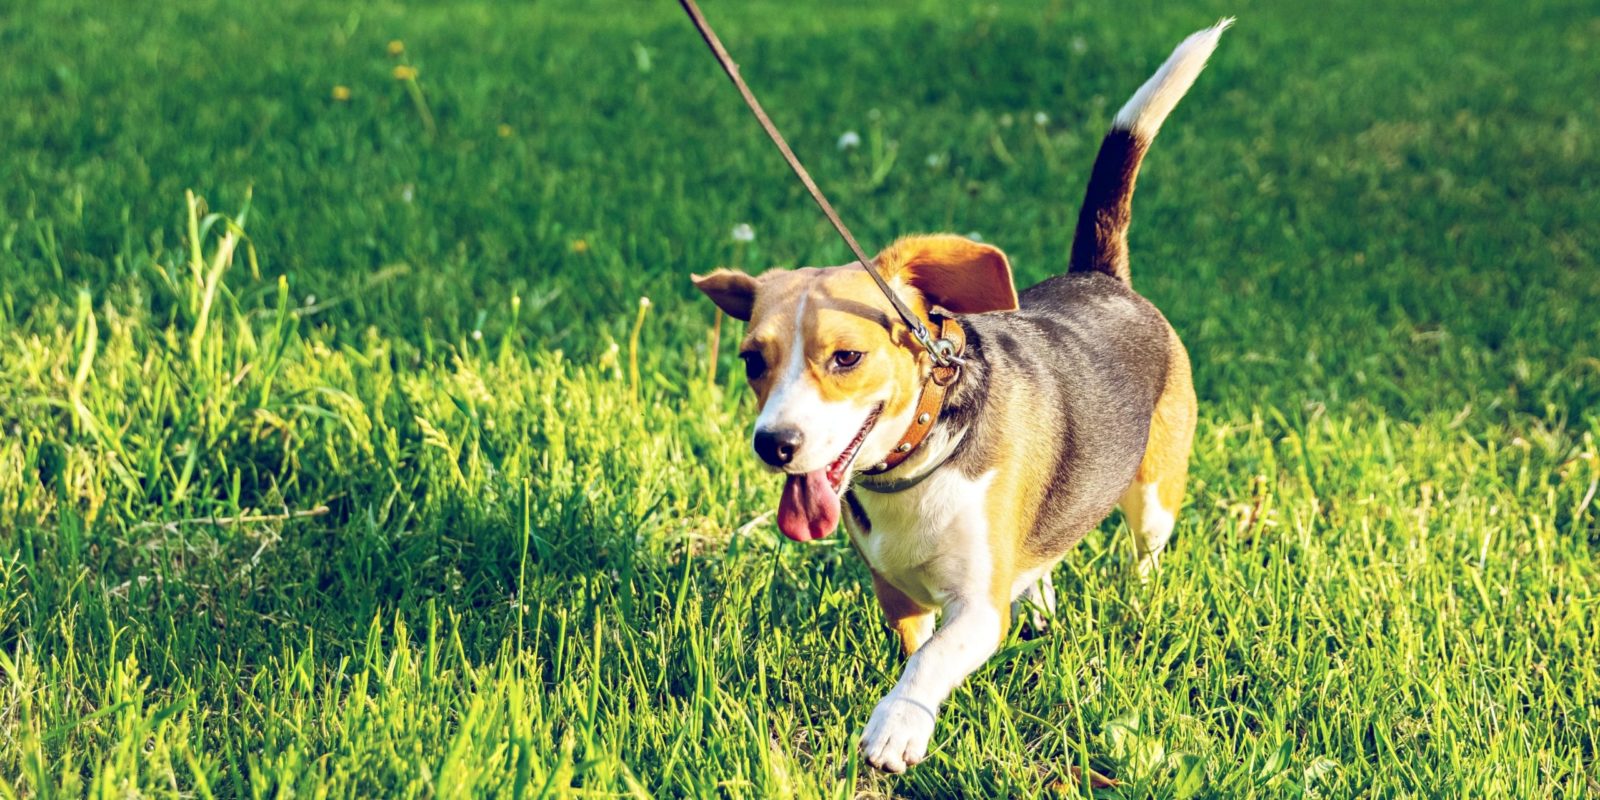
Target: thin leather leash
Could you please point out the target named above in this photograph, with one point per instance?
(944, 352)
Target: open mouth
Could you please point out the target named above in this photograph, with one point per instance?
(809, 507)
(839, 470)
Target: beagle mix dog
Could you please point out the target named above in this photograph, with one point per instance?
(963, 486)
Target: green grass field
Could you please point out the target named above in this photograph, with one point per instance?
(400, 493)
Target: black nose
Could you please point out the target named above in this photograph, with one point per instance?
(776, 447)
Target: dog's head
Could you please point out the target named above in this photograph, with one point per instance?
(835, 371)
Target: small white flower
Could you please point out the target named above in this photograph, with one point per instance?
(408, 192)
(644, 302)
(935, 159)
(1080, 45)
(744, 233)
(311, 300)
(1041, 119)
(477, 336)
(974, 236)
(849, 140)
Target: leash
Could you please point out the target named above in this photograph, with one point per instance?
(944, 352)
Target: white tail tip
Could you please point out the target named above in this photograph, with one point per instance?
(1149, 107)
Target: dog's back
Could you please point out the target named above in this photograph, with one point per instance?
(1085, 367)
(1088, 358)
(1087, 381)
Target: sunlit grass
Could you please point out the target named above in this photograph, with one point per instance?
(369, 473)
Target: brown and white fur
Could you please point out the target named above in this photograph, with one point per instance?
(1075, 398)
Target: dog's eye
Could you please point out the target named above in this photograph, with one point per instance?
(754, 365)
(845, 359)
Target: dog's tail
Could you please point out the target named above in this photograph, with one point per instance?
(1101, 242)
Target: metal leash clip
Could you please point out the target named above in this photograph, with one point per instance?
(942, 351)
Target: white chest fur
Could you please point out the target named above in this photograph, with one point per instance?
(930, 541)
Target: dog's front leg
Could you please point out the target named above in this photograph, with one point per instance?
(897, 734)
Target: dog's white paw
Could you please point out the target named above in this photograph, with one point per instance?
(897, 734)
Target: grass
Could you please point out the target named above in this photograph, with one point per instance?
(384, 484)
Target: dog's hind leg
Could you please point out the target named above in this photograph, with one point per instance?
(1150, 504)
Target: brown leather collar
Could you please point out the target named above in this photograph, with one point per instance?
(931, 401)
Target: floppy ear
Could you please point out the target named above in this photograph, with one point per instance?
(953, 271)
(733, 291)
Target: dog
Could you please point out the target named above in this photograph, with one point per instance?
(963, 485)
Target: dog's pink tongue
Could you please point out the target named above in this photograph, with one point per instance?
(809, 508)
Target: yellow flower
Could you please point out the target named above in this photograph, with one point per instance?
(341, 94)
(405, 72)
(396, 47)
(580, 246)
(504, 130)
